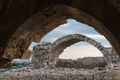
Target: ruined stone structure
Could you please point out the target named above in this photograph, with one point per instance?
(40, 55)
(113, 56)
(28, 73)
(24, 21)
(40, 59)
(66, 41)
(46, 55)
(84, 63)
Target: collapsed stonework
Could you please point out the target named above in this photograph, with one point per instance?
(29, 73)
(84, 63)
(46, 54)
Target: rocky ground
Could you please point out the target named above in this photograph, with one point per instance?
(28, 73)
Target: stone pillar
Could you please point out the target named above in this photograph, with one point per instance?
(40, 57)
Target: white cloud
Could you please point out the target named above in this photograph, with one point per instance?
(64, 30)
(50, 39)
(95, 36)
(75, 52)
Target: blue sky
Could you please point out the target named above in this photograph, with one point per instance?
(74, 27)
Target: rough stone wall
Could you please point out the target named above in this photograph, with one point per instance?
(113, 56)
(85, 63)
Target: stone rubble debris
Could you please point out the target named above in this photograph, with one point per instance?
(45, 69)
(29, 73)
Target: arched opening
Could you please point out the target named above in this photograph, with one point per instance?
(34, 30)
(104, 15)
(85, 30)
(64, 42)
(47, 54)
(40, 24)
(78, 28)
(80, 50)
(81, 55)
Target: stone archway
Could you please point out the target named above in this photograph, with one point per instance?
(40, 24)
(66, 41)
(31, 22)
(47, 54)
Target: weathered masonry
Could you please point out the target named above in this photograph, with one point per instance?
(47, 54)
(24, 21)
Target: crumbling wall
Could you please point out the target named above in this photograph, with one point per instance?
(42, 56)
(85, 63)
(28, 73)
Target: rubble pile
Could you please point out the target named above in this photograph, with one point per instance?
(86, 63)
(29, 73)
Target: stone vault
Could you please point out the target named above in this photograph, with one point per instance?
(24, 21)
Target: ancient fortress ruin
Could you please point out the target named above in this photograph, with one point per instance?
(46, 54)
(26, 21)
(47, 66)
